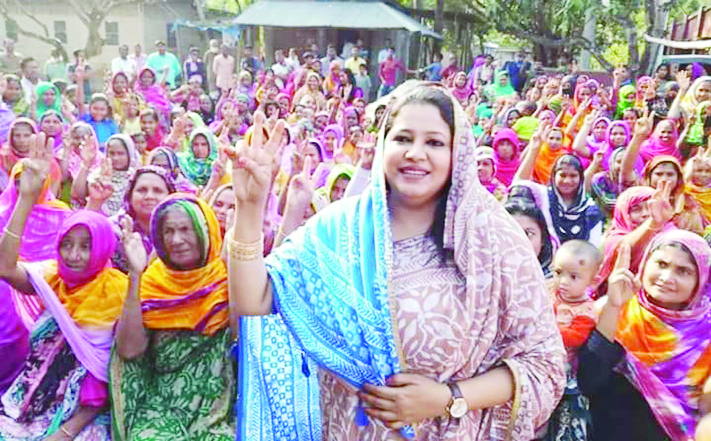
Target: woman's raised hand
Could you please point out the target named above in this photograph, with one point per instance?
(645, 123)
(100, 187)
(252, 164)
(301, 187)
(36, 166)
(88, 151)
(660, 207)
(684, 80)
(133, 248)
(622, 282)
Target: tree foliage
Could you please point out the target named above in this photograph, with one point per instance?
(91, 13)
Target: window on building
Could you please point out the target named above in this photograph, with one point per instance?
(11, 29)
(60, 31)
(112, 33)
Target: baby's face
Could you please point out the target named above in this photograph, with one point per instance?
(571, 276)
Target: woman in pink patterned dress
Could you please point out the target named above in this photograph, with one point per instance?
(420, 301)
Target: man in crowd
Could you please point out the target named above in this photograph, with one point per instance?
(223, 67)
(280, 68)
(210, 54)
(250, 63)
(355, 60)
(10, 60)
(194, 68)
(388, 73)
(138, 57)
(517, 71)
(164, 62)
(80, 60)
(30, 77)
(326, 61)
(123, 64)
(383, 54)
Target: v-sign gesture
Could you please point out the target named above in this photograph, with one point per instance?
(622, 283)
(252, 164)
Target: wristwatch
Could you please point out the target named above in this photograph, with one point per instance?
(458, 405)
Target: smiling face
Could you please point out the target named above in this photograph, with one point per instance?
(618, 136)
(120, 84)
(703, 92)
(180, 239)
(665, 131)
(149, 190)
(148, 123)
(418, 155)
(567, 181)
(147, 78)
(599, 130)
(75, 249)
(99, 110)
(51, 125)
(311, 151)
(670, 277)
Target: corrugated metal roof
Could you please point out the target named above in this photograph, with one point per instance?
(329, 14)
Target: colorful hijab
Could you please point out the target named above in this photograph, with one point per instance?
(608, 141)
(120, 179)
(59, 138)
(542, 169)
(606, 185)
(337, 131)
(330, 285)
(85, 305)
(38, 238)
(195, 299)
(697, 132)
(620, 227)
(654, 147)
(639, 96)
(154, 95)
(40, 89)
(667, 351)
(595, 144)
(338, 171)
(622, 102)
(689, 102)
(198, 170)
(701, 194)
(496, 90)
(461, 93)
(574, 221)
(181, 182)
(505, 170)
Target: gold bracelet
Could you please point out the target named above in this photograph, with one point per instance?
(246, 251)
(12, 234)
(66, 432)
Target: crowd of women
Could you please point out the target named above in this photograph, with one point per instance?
(454, 261)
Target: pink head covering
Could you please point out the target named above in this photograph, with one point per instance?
(656, 147)
(103, 245)
(505, 170)
(621, 225)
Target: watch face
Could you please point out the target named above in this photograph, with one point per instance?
(459, 408)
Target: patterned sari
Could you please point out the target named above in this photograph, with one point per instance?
(182, 388)
(335, 291)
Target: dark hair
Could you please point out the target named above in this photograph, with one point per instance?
(521, 193)
(522, 207)
(25, 61)
(352, 82)
(149, 112)
(572, 161)
(434, 97)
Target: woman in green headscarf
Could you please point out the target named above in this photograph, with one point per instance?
(625, 99)
(48, 98)
(196, 161)
(193, 121)
(500, 87)
(698, 133)
(337, 181)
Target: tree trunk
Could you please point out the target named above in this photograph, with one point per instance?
(439, 24)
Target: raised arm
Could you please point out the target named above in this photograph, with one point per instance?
(525, 169)
(131, 337)
(35, 171)
(250, 290)
(593, 168)
(642, 129)
(571, 129)
(299, 193)
(682, 77)
(580, 142)
(80, 190)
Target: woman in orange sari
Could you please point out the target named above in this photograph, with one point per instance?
(172, 341)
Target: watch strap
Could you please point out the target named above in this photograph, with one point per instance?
(456, 392)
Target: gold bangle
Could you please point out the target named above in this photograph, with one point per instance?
(66, 432)
(12, 234)
(246, 251)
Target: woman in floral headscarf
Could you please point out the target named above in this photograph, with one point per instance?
(645, 365)
(350, 251)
